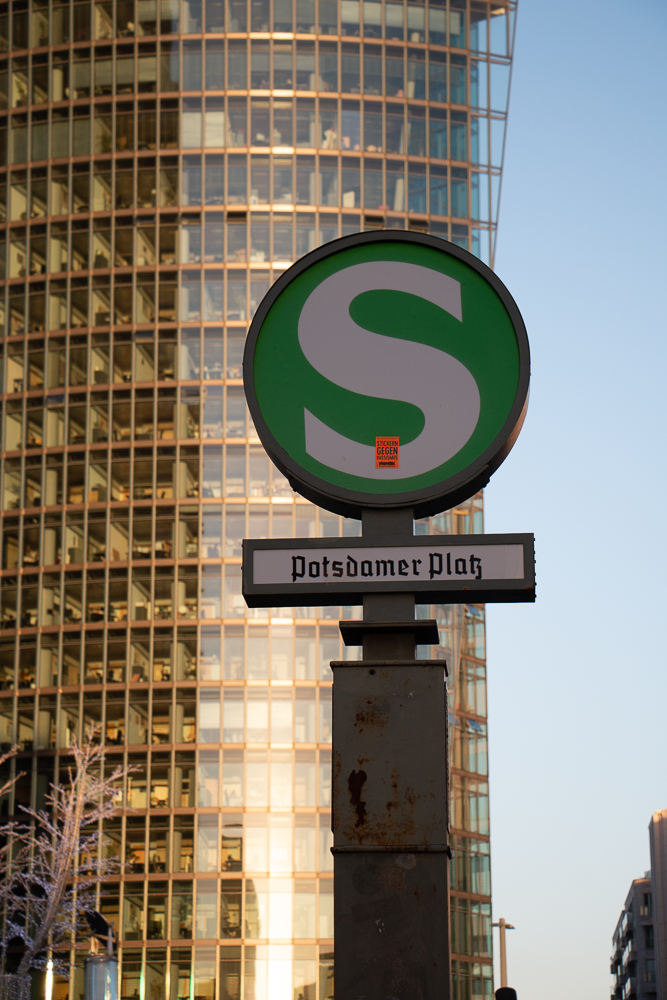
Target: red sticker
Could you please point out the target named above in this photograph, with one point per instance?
(386, 452)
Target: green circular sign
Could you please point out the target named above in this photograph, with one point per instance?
(387, 369)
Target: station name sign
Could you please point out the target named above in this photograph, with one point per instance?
(437, 568)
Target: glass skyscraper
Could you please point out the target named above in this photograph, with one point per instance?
(161, 163)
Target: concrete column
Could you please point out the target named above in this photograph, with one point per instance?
(46, 668)
(50, 536)
(50, 488)
(47, 604)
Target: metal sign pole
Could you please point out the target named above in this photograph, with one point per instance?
(390, 800)
(503, 926)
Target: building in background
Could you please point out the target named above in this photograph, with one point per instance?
(657, 830)
(639, 955)
(633, 962)
(161, 163)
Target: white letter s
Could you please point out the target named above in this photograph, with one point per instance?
(387, 368)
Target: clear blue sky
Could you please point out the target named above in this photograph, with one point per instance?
(578, 681)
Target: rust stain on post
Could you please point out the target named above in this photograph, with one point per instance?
(374, 713)
(355, 783)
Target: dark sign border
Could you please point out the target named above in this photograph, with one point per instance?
(429, 500)
(264, 595)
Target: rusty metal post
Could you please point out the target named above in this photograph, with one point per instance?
(390, 801)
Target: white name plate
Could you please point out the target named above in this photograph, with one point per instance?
(449, 569)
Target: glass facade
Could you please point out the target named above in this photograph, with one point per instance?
(161, 163)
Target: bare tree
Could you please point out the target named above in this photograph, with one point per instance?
(8, 848)
(49, 865)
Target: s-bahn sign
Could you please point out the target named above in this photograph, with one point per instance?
(387, 369)
(387, 376)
